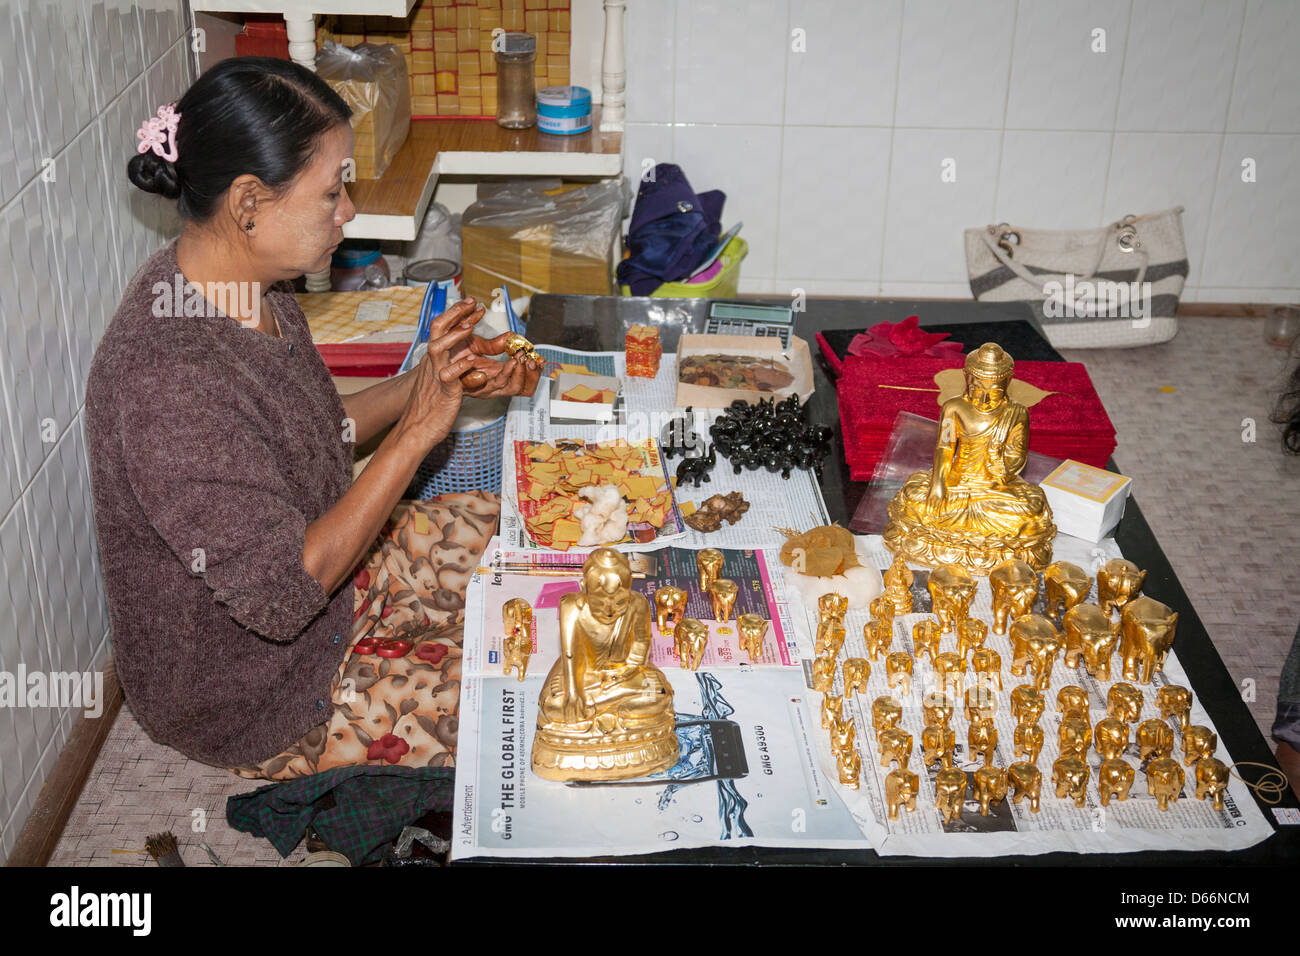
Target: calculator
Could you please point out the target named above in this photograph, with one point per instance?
(737, 318)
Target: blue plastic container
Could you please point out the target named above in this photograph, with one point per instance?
(564, 110)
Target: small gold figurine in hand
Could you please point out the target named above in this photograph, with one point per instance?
(972, 508)
(604, 712)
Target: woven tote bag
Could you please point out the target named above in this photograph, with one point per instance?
(1113, 287)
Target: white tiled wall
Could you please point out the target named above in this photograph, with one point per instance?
(833, 156)
(78, 79)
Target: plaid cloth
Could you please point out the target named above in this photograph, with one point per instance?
(371, 806)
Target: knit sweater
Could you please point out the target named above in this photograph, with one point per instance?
(212, 447)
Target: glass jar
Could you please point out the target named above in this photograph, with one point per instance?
(516, 89)
(358, 265)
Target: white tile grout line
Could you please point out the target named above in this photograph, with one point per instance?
(1006, 106)
(893, 128)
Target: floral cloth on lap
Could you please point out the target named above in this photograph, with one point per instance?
(411, 587)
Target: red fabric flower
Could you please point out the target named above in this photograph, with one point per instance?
(431, 652)
(389, 747)
(903, 340)
(362, 579)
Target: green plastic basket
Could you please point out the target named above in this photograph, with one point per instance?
(724, 285)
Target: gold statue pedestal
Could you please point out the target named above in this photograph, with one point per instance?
(972, 508)
(606, 712)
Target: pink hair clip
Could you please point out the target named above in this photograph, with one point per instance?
(159, 133)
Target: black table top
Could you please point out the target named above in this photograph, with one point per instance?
(598, 323)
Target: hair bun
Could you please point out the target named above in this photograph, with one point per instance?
(154, 174)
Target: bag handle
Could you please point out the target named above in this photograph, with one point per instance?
(1123, 233)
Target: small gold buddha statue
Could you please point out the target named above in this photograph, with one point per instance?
(972, 508)
(605, 712)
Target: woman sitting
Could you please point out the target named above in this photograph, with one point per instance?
(244, 567)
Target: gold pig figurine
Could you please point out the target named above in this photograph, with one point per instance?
(517, 648)
(1118, 582)
(951, 591)
(1146, 632)
(722, 593)
(670, 605)
(1015, 588)
(1066, 585)
(898, 585)
(709, 564)
(1090, 634)
(752, 627)
(901, 788)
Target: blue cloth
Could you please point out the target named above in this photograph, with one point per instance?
(672, 230)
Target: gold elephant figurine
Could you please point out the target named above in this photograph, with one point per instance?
(898, 585)
(1118, 582)
(1028, 741)
(855, 671)
(1165, 781)
(1072, 701)
(1074, 738)
(830, 638)
(981, 703)
(831, 606)
(1124, 702)
(937, 708)
(987, 665)
(885, 714)
(1110, 738)
(844, 736)
(708, 562)
(951, 591)
(849, 765)
(898, 671)
(1015, 589)
(517, 648)
(692, 637)
(877, 635)
(1175, 701)
(1067, 585)
(823, 673)
(990, 785)
(901, 787)
(949, 793)
(1198, 742)
(895, 745)
(1092, 635)
(971, 635)
(925, 639)
(670, 607)
(1114, 779)
(1146, 633)
(1026, 780)
(1155, 738)
(1034, 645)
(882, 608)
(753, 628)
(832, 709)
(1070, 775)
(982, 739)
(722, 594)
(937, 743)
(1027, 704)
(950, 671)
(1211, 780)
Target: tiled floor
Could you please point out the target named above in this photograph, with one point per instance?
(1225, 510)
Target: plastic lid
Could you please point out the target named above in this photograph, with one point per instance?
(564, 96)
(514, 44)
(354, 256)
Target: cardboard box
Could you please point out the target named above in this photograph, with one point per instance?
(1086, 502)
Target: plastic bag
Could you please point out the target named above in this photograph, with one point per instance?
(371, 78)
(534, 239)
(438, 236)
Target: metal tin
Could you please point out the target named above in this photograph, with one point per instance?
(444, 272)
(564, 110)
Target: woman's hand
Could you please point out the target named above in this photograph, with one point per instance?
(517, 375)
(436, 388)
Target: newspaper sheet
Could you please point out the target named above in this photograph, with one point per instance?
(1010, 828)
(748, 772)
(645, 408)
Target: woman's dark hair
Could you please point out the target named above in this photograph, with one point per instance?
(248, 114)
(1287, 411)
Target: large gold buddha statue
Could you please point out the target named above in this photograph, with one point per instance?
(605, 712)
(973, 508)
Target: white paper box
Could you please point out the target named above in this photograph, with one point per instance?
(1086, 502)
